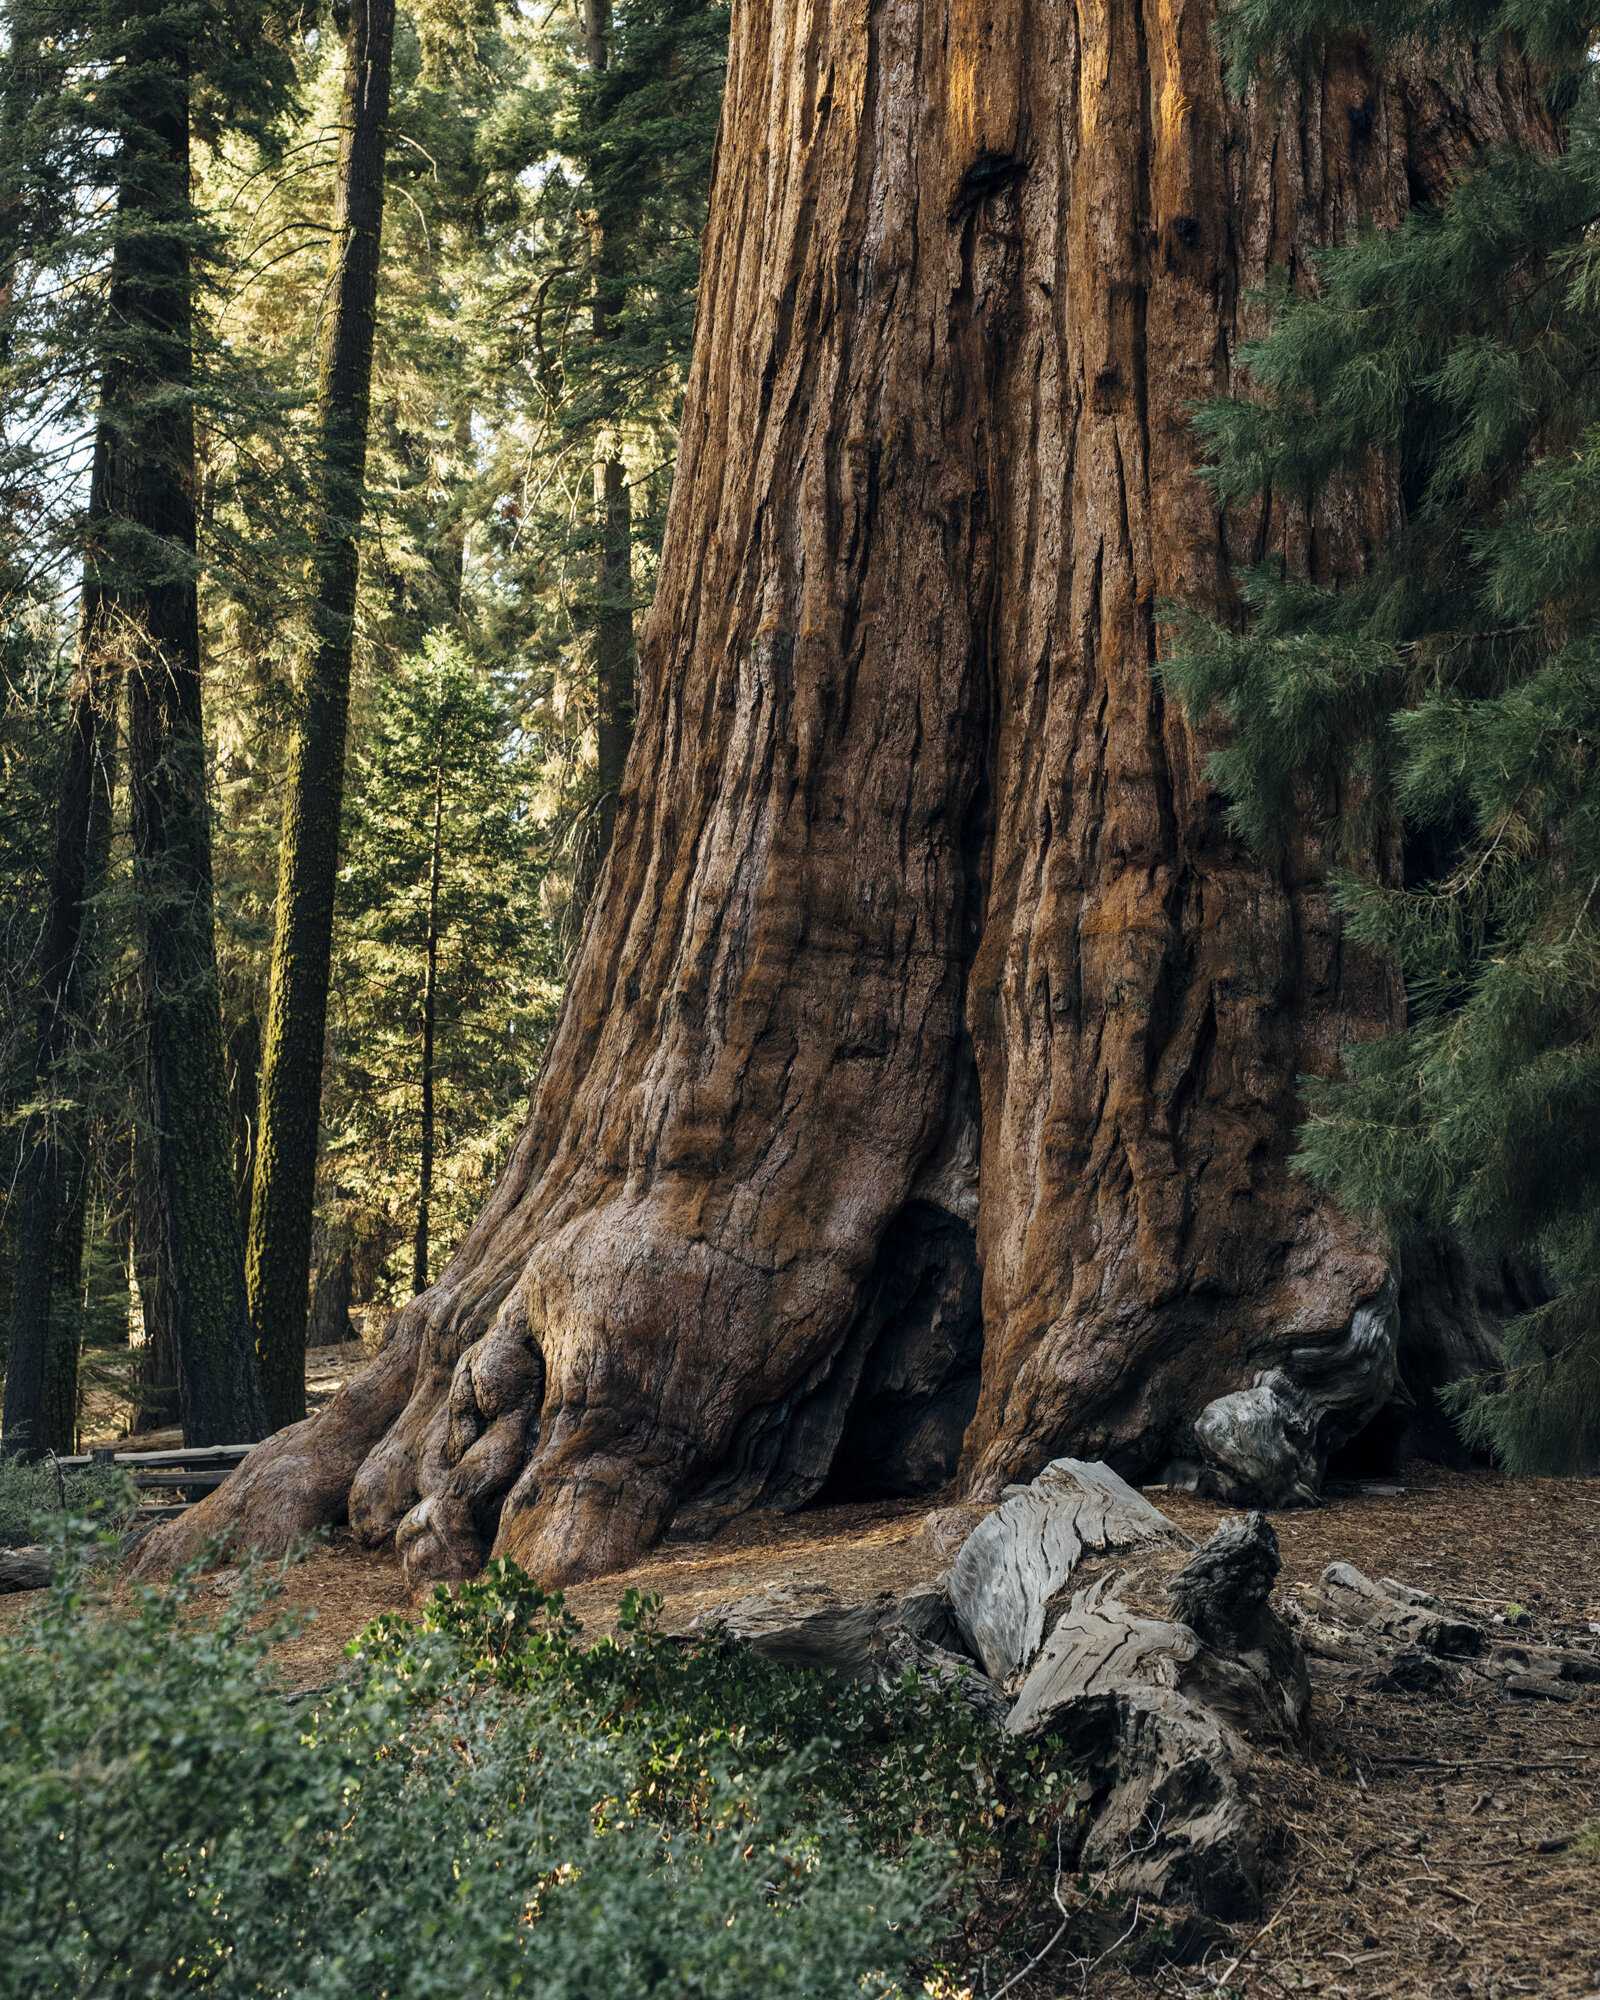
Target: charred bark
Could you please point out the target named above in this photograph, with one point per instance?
(918, 894)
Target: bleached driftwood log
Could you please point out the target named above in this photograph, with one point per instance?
(1161, 1672)
(1158, 1716)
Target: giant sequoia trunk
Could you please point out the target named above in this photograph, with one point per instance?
(923, 1094)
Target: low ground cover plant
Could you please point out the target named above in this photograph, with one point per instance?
(481, 1805)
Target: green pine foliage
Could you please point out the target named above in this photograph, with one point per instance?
(1447, 705)
(1552, 32)
(441, 730)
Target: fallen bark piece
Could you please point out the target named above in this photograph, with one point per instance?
(1396, 1611)
(1553, 1662)
(1542, 1687)
(1016, 1560)
(25, 1569)
(803, 1625)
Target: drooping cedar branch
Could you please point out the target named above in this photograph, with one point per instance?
(291, 1078)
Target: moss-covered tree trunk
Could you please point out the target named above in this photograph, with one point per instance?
(923, 1097)
(157, 640)
(308, 856)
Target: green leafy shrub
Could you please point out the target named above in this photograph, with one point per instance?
(36, 1498)
(909, 1764)
(481, 1806)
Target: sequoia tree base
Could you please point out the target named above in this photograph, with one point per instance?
(923, 1095)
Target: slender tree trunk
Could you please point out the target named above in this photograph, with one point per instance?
(43, 1339)
(931, 1056)
(613, 636)
(430, 987)
(244, 1108)
(291, 1076)
(155, 1374)
(202, 1262)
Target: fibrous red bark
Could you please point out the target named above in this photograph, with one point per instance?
(923, 962)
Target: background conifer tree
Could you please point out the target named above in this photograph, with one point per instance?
(447, 973)
(105, 339)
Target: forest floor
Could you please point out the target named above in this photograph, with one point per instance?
(1433, 1846)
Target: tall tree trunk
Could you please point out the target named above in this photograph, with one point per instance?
(924, 948)
(308, 856)
(243, 1051)
(202, 1261)
(613, 631)
(155, 1373)
(43, 1336)
(613, 647)
(430, 989)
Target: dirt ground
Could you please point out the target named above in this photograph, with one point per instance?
(1432, 1845)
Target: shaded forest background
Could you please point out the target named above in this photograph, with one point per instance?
(491, 576)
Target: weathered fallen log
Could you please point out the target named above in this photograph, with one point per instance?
(25, 1569)
(1158, 1717)
(1396, 1611)
(1397, 1637)
(1155, 1715)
